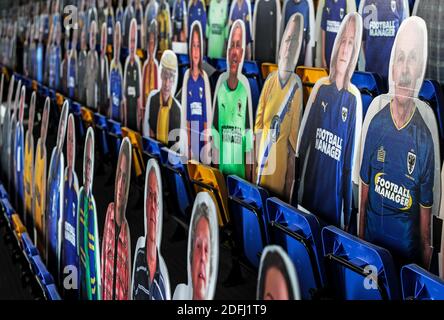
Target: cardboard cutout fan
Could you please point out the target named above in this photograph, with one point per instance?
(69, 256)
(92, 69)
(277, 278)
(279, 115)
(150, 280)
(18, 156)
(329, 16)
(164, 24)
(55, 197)
(10, 142)
(6, 117)
(203, 252)
(266, 35)
(116, 79)
(55, 59)
(217, 28)
(128, 16)
(132, 84)
(88, 246)
(163, 115)
(241, 10)
(306, 8)
(116, 257)
(103, 75)
(2, 106)
(179, 19)
(150, 74)
(82, 68)
(29, 165)
(196, 100)
(400, 157)
(384, 19)
(233, 112)
(71, 77)
(328, 140)
(150, 14)
(39, 179)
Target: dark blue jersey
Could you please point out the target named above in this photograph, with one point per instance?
(178, 17)
(332, 15)
(303, 8)
(54, 68)
(115, 80)
(398, 166)
(139, 18)
(196, 114)
(244, 14)
(197, 12)
(109, 29)
(71, 76)
(69, 255)
(39, 63)
(19, 160)
(379, 34)
(327, 150)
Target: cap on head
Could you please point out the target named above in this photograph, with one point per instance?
(169, 60)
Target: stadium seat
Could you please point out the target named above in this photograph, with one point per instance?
(75, 109)
(205, 178)
(101, 133)
(51, 292)
(59, 99)
(3, 193)
(17, 227)
(39, 268)
(367, 84)
(309, 76)
(87, 117)
(419, 284)
(299, 233)
(183, 62)
(115, 134)
(220, 64)
(35, 86)
(151, 147)
(356, 269)
(247, 207)
(178, 184)
(267, 68)
(431, 93)
(28, 246)
(7, 209)
(137, 148)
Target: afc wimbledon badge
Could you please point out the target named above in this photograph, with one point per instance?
(239, 106)
(200, 92)
(341, 13)
(393, 5)
(275, 128)
(411, 161)
(344, 114)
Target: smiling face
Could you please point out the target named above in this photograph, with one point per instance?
(195, 49)
(235, 50)
(200, 267)
(346, 46)
(167, 77)
(152, 213)
(408, 62)
(275, 286)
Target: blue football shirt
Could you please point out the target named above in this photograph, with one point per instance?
(197, 12)
(243, 13)
(115, 80)
(332, 15)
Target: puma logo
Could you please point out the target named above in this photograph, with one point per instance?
(324, 105)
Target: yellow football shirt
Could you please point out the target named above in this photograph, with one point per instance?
(163, 120)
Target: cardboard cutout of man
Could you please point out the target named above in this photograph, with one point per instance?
(55, 197)
(180, 21)
(110, 22)
(29, 165)
(329, 135)
(71, 76)
(306, 8)
(217, 30)
(40, 56)
(92, 69)
(400, 165)
(150, 279)
(69, 256)
(116, 244)
(165, 28)
(330, 15)
(82, 70)
(163, 112)
(39, 199)
(5, 127)
(128, 16)
(64, 64)
(266, 35)
(138, 15)
(151, 66)
(197, 12)
(55, 58)
(103, 75)
(10, 147)
(19, 155)
(88, 247)
(196, 99)
(150, 14)
(119, 12)
(203, 252)
(232, 119)
(132, 109)
(279, 115)
(277, 279)
(115, 85)
(384, 19)
(241, 9)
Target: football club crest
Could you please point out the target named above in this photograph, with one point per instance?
(324, 105)
(239, 106)
(200, 92)
(341, 13)
(344, 114)
(393, 5)
(275, 128)
(411, 161)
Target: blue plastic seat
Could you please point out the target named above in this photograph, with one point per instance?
(178, 183)
(115, 135)
(255, 92)
(419, 284)
(75, 109)
(3, 193)
(7, 208)
(367, 84)
(356, 269)
(151, 147)
(40, 271)
(431, 93)
(246, 203)
(28, 247)
(299, 234)
(51, 292)
(101, 132)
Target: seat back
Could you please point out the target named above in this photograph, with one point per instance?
(367, 84)
(115, 134)
(356, 269)
(419, 284)
(267, 68)
(75, 109)
(137, 149)
(151, 147)
(101, 132)
(309, 76)
(247, 207)
(299, 233)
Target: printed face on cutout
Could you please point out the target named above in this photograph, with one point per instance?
(70, 142)
(168, 78)
(289, 45)
(346, 45)
(133, 34)
(200, 267)
(152, 212)
(151, 44)
(88, 164)
(275, 287)
(236, 50)
(117, 39)
(121, 185)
